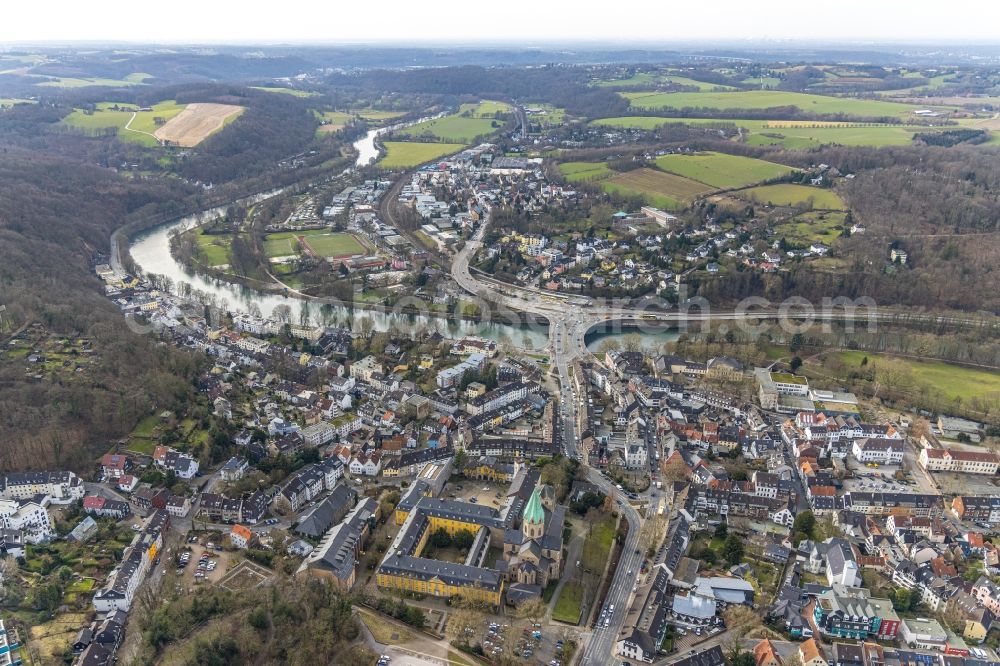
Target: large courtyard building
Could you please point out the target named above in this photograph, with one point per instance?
(527, 530)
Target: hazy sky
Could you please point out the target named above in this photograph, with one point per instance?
(534, 21)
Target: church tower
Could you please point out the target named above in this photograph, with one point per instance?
(533, 524)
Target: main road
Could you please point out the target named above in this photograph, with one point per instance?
(566, 330)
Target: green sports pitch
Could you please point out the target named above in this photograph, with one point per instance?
(321, 242)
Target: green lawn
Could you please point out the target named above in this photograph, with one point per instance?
(285, 91)
(215, 248)
(146, 121)
(768, 99)
(794, 195)
(581, 171)
(721, 170)
(486, 108)
(567, 608)
(597, 545)
(405, 154)
(953, 381)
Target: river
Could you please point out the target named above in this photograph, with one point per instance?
(151, 252)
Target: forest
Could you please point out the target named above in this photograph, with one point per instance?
(53, 215)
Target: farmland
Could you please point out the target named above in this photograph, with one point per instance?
(767, 99)
(139, 129)
(576, 172)
(196, 122)
(661, 189)
(405, 154)
(133, 79)
(650, 79)
(332, 120)
(280, 90)
(788, 133)
(720, 170)
(471, 121)
(794, 195)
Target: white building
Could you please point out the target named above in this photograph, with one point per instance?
(881, 451)
(953, 460)
(60, 487)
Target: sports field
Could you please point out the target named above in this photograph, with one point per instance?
(659, 187)
(794, 195)
(334, 245)
(404, 154)
(768, 99)
(720, 170)
(576, 172)
(196, 123)
(320, 241)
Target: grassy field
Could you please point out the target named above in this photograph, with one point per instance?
(796, 137)
(788, 133)
(720, 170)
(952, 381)
(104, 119)
(383, 631)
(215, 247)
(133, 79)
(335, 245)
(653, 79)
(405, 154)
(334, 120)
(11, 101)
(548, 115)
(567, 608)
(661, 189)
(576, 172)
(51, 639)
(285, 91)
(376, 114)
(597, 545)
(323, 243)
(767, 99)
(487, 108)
(146, 121)
(812, 227)
(471, 121)
(794, 195)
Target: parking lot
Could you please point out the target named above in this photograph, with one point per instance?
(216, 563)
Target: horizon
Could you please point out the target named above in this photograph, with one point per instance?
(450, 23)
